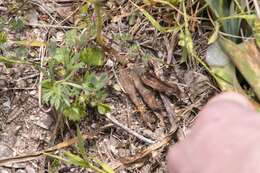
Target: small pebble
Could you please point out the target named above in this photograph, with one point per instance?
(33, 92)
(2, 83)
(29, 169)
(20, 171)
(4, 171)
(109, 63)
(59, 36)
(45, 121)
(21, 84)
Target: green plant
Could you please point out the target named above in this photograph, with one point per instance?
(16, 54)
(234, 20)
(17, 24)
(70, 87)
(228, 15)
(3, 38)
(54, 166)
(82, 159)
(186, 37)
(99, 23)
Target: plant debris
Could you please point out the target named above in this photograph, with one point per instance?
(71, 67)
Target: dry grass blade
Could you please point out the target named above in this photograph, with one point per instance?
(142, 138)
(155, 23)
(28, 157)
(146, 152)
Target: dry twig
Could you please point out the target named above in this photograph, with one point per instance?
(130, 131)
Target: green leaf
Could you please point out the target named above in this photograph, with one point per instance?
(174, 2)
(223, 69)
(245, 56)
(3, 38)
(74, 112)
(17, 24)
(71, 38)
(32, 43)
(73, 85)
(93, 82)
(104, 166)
(8, 60)
(62, 55)
(81, 146)
(219, 7)
(92, 56)
(21, 52)
(54, 166)
(256, 29)
(214, 36)
(222, 9)
(103, 108)
(56, 94)
(75, 160)
(52, 46)
(72, 63)
(84, 8)
(2, 23)
(55, 157)
(101, 82)
(156, 24)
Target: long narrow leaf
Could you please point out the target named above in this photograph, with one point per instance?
(32, 43)
(155, 23)
(246, 58)
(223, 69)
(12, 60)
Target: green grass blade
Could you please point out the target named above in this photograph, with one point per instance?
(12, 61)
(246, 58)
(155, 23)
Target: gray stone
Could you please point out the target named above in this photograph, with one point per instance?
(20, 171)
(4, 171)
(45, 121)
(32, 16)
(109, 63)
(29, 169)
(215, 56)
(5, 151)
(2, 83)
(21, 84)
(21, 165)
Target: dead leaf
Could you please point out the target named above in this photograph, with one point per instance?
(129, 87)
(141, 96)
(170, 110)
(147, 95)
(160, 86)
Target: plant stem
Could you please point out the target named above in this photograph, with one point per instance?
(99, 22)
(96, 169)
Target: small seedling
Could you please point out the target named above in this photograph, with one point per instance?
(70, 86)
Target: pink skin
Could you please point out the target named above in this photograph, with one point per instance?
(224, 139)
